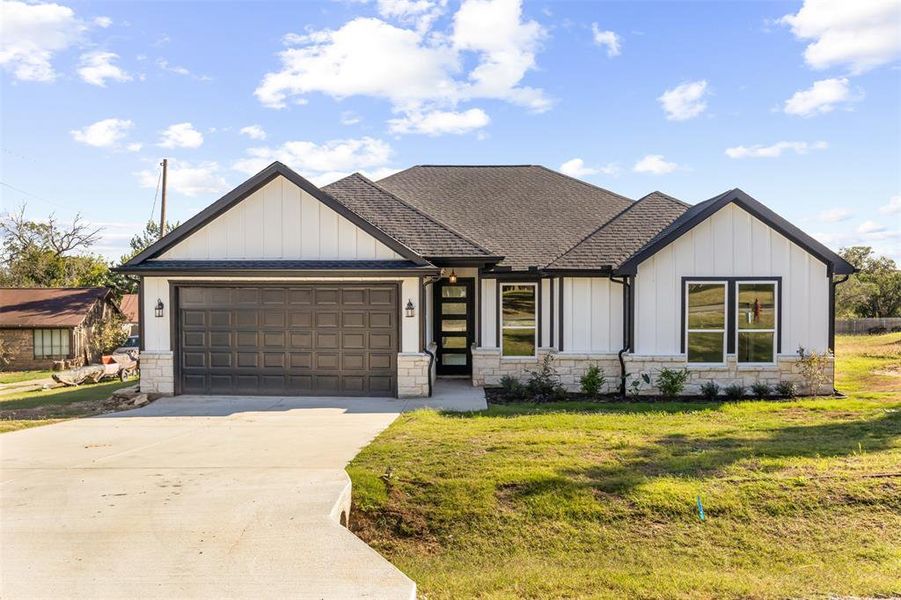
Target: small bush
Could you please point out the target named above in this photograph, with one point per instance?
(710, 390)
(813, 369)
(786, 389)
(671, 382)
(593, 381)
(634, 387)
(544, 384)
(734, 391)
(512, 389)
(760, 390)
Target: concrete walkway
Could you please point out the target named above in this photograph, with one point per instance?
(197, 497)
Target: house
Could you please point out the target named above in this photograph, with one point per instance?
(377, 288)
(129, 307)
(43, 326)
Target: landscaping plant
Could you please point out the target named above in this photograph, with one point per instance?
(636, 383)
(544, 384)
(710, 390)
(785, 389)
(671, 382)
(813, 369)
(512, 389)
(734, 391)
(761, 390)
(593, 381)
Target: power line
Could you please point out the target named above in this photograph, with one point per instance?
(35, 196)
(153, 209)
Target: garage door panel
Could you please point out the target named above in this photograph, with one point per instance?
(300, 340)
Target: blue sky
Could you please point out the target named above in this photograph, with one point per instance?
(797, 103)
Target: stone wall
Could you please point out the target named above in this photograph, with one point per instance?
(157, 373)
(488, 367)
(787, 368)
(412, 375)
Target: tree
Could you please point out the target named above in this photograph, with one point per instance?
(875, 291)
(138, 244)
(108, 334)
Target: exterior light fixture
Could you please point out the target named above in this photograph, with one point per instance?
(409, 310)
(452, 278)
(158, 311)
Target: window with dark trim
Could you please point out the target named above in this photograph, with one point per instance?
(518, 319)
(755, 321)
(51, 343)
(705, 306)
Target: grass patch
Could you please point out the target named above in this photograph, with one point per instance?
(17, 376)
(30, 409)
(802, 498)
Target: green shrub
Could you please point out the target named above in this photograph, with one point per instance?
(544, 384)
(636, 383)
(761, 390)
(814, 368)
(734, 391)
(593, 381)
(786, 389)
(671, 382)
(710, 390)
(512, 389)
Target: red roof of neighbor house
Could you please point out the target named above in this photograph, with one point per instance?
(47, 307)
(129, 307)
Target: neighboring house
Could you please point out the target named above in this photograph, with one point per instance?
(41, 326)
(281, 287)
(129, 307)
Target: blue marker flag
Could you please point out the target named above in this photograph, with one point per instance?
(700, 509)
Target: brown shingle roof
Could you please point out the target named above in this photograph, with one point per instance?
(418, 231)
(529, 214)
(129, 307)
(47, 307)
(615, 241)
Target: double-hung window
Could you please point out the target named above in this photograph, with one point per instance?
(756, 321)
(51, 343)
(518, 319)
(705, 307)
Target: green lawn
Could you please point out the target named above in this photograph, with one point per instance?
(29, 409)
(802, 498)
(17, 376)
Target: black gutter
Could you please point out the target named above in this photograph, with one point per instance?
(422, 325)
(832, 285)
(324, 273)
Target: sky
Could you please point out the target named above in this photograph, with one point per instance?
(797, 103)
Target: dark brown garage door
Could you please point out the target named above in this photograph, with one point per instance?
(298, 340)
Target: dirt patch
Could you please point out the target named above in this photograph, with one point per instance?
(122, 399)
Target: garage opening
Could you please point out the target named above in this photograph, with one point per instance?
(298, 340)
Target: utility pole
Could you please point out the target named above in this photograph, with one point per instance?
(163, 203)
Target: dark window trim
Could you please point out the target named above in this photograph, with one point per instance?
(536, 285)
(560, 348)
(731, 329)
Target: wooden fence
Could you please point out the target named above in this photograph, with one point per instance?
(867, 326)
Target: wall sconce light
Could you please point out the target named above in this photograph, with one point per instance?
(452, 278)
(409, 310)
(158, 311)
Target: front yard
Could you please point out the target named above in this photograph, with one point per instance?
(801, 498)
(19, 410)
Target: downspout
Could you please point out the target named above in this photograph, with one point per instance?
(422, 324)
(834, 284)
(627, 330)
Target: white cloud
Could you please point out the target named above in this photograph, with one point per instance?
(320, 162)
(774, 150)
(438, 122)
(107, 133)
(348, 117)
(861, 34)
(164, 65)
(254, 132)
(134, 147)
(608, 39)
(30, 35)
(685, 101)
(486, 54)
(181, 135)
(103, 22)
(870, 227)
(883, 242)
(96, 67)
(820, 99)
(189, 179)
(576, 167)
(834, 215)
(893, 207)
(421, 13)
(654, 164)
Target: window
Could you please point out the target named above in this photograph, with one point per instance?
(51, 343)
(706, 322)
(756, 321)
(518, 323)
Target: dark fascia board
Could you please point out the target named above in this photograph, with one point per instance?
(602, 271)
(464, 261)
(835, 263)
(249, 187)
(323, 273)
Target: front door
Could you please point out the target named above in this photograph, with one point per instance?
(454, 326)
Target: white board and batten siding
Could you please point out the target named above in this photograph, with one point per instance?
(731, 243)
(280, 221)
(592, 315)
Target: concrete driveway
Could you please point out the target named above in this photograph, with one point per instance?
(193, 497)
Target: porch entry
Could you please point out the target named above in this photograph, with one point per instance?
(454, 325)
